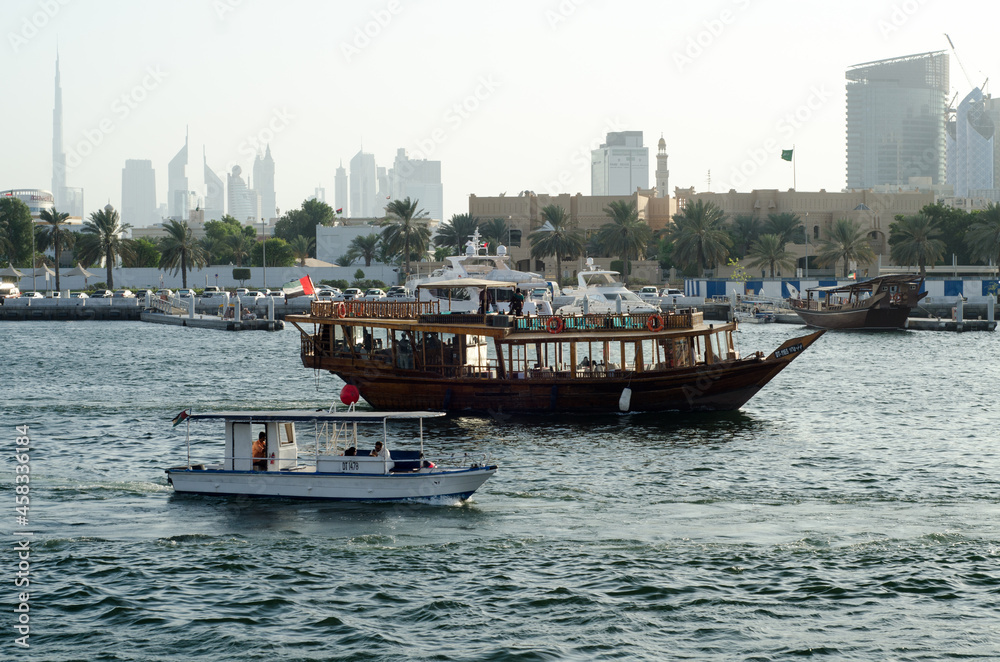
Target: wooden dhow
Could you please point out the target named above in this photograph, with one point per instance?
(881, 303)
(407, 355)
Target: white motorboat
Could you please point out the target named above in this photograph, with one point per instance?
(599, 292)
(335, 464)
(476, 263)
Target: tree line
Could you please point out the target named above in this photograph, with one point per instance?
(701, 237)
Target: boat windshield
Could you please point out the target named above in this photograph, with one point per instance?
(625, 295)
(598, 279)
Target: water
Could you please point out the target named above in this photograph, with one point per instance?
(849, 512)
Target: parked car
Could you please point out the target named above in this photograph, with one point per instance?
(32, 295)
(165, 292)
(671, 291)
(185, 293)
(649, 294)
(373, 294)
(399, 293)
(102, 294)
(123, 294)
(328, 293)
(139, 294)
(53, 295)
(352, 293)
(242, 291)
(81, 295)
(211, 289)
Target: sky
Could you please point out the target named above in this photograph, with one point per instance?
(509, 96)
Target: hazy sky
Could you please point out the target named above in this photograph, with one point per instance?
(507, 95)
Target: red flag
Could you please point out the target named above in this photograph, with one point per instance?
(340, 211)
(307, 286)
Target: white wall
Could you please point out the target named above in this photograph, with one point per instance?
(155, 278)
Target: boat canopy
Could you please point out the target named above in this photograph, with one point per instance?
(868, 285)
(466, 282)
(301, 415)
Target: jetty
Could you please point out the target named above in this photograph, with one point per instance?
(177, 311)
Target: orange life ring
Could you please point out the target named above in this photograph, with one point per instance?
(555, 324)
(341, 309)
(897, 298)
(655, 323)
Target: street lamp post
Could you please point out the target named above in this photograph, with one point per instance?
(263, 248)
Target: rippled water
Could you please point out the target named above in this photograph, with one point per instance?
(849, 511)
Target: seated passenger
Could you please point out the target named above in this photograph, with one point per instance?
(351, 451)
(380, 451)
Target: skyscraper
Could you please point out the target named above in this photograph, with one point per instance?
(215, 193)
(244, 203)
(139, 193)
(896, 114)
(971, 146)
(364, 186)
(58, 155)
(417, 179)
(177, 184)
(340, 189)
(619, 166)
(263, 183)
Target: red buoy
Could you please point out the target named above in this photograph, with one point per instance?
(349, 394)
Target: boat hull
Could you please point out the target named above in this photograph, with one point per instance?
(331, 487)
(865, 318)
(723, 386)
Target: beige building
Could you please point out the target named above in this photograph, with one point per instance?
(873, 210)
(523, 216)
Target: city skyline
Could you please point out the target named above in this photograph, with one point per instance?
(728, 86)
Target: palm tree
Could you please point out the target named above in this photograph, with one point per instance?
(699, 236)
(983, 236)
(769, 249)
(786, 225)
(914, 240)
(456, 232)
(364, 247)
(846, 241)
(404, 235)
(744, 230)
(101, 238)
(494, 231)
(54, 235)
(240, 245)
(558, 236)
(625, 235)
(301, 246)
(180, 250)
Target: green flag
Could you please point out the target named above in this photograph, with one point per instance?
(786, 154)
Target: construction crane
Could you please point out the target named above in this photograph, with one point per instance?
(966, 73)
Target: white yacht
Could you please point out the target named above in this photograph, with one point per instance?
(479, 264)
(598, 292)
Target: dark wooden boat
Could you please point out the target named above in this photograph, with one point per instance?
(408, 355)
(877, 304)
